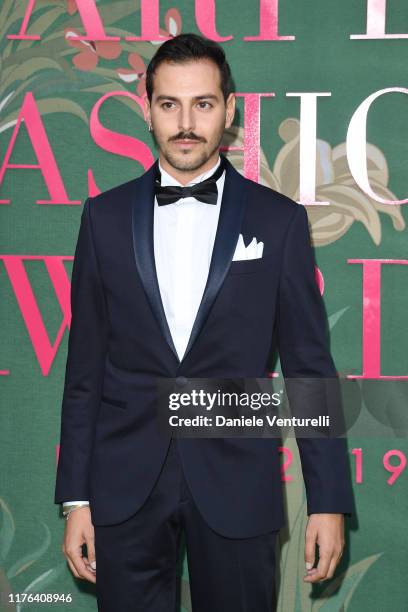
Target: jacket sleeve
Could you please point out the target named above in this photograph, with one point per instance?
(304, 352)
(87, 346)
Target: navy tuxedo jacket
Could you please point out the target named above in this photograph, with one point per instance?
(111, 450)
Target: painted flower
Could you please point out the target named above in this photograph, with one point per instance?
(72, 7)
(334, 184)
(172, 20)
(173, 23)
(137, 70)
(90, 51)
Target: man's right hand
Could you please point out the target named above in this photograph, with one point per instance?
(79, 530)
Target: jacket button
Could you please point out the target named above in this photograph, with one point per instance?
(181, 381)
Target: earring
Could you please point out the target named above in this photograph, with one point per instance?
(150, 127)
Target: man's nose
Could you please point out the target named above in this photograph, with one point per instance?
(186, 120)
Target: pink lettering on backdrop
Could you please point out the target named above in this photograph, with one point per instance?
(252, 134)
(371, 349)
(39, 140)
(395, 470)
(286, 464)
(357, 145)
(45, 350)
(307, 161)
(205, 19)
(357, 452)
(319, 279)
(150, 22)
(22, 34)
(90, 17)
(268, 22)
(205, 13)
(120, 144)
(376, 21)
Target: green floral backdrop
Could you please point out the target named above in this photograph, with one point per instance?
(63, 77)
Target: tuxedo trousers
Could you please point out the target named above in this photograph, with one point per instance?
(136, 560)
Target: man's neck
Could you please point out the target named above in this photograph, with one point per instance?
(185, 176)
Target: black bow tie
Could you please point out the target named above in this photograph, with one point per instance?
(205, 191)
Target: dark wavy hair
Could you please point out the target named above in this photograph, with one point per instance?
(186, 48)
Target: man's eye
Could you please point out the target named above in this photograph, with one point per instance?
(167, 104)
(205, 104)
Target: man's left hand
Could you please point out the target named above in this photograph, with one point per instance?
(327, 531)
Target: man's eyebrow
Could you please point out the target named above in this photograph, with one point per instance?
(201, 97)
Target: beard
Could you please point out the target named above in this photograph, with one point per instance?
(189, 160)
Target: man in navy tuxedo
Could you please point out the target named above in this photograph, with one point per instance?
(189, 271)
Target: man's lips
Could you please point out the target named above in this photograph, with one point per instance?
(186, 142)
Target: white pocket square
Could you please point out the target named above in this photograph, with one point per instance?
(254, 249)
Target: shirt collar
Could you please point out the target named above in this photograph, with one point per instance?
(167, 179)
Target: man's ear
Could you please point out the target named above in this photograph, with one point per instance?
(147, 111)
(230, 113)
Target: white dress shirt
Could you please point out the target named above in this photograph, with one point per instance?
(183, 238)
(184, 234)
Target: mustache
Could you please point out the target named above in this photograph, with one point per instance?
(188, 136)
